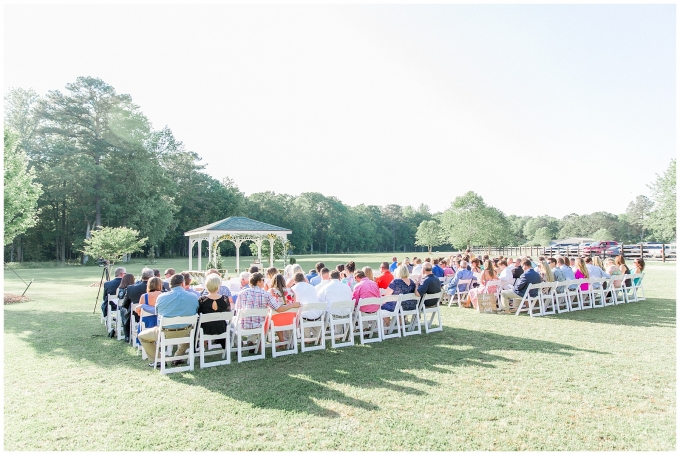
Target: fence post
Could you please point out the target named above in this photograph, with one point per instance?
(641, 252)
(663, 252)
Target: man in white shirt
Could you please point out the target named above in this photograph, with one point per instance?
(325, 279)
(506, 275)
(305, 293)
(418, 268)
(335, 291)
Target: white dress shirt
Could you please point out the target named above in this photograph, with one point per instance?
(306, 293)
(335, 291)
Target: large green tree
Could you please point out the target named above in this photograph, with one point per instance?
(469, 221)
(20, 191)
(428, 234)
(662, 220)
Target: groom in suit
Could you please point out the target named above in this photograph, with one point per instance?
(530, 276)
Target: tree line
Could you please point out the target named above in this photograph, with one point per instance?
(88, 157)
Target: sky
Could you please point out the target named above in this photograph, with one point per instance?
(540, 109)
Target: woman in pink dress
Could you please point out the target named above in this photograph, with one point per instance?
(489, 274)
(581, 272)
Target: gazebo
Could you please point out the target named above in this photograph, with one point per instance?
(236, 229)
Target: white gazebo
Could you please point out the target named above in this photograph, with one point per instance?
(236, 229)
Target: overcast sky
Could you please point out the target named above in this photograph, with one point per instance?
(540, 109)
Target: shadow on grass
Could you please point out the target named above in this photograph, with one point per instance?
(311, 382)
(645, 313)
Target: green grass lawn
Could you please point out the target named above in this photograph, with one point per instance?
(601, 379)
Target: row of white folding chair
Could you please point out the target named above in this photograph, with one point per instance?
(466, 285)
(113, 319)
(578, 294)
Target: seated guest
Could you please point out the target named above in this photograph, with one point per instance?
(505, 274)
(463, 274)
(572, 264)
(244, 278)
(638, 267)
(407, 263)
(147, 301)
(517, 269)
(166, 282)
(256, 297)
(187, 284)
(364, 289)
(545, 272)
(489, 274)
(447, 270)
(557, 272)
(436, 269)
(223, 290)
(271, 273)
(393, 266)
(253, 269)
(312, 274)
(296, 268)
(476, 269)
(317, 279)
(581, 272)
(134, 292)
(305, 293)
(178, 302)
(214, 302)
(528, 277)
(348, 279)
(562, 264)
(334, 291)
(325, 279)
(165, 286)
(385, 277)
(368, 272)
(418, 267)
(429, 285)
(595, 269)
(111, 288)
(402, 284)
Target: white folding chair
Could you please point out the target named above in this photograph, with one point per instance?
(586, 294)
(561, 298)
(315, 328)
(547, 298)
(395, 321)
(203, 339)
(142, 326)
(383, 292)
(433, 310)
(133, 326)
(370, 324)
(281, 322)
(613, 294)
(341, 314)
(628, 289)
(466, 284)
(112, 321)
(411, 327)
(597, 291)
(573, 288)
(163, 342)
(531, 304)
(637, 285)
(257, 332)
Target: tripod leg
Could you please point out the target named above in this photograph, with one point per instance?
(101, 282)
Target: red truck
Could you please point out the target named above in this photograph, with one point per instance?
(599, 247)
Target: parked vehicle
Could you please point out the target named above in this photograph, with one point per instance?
(599, 247)
(631, 250)
(559, 248)
(653, 249)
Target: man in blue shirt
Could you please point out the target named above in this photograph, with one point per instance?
(463, 273)
(530, 276)
(436, 269)
(317, 279)
(177, 302)
(393, 265)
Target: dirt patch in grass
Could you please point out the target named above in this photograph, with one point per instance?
(13, 298)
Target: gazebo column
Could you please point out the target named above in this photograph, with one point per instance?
(271, 252)
(212, 257)
(237, 244)
(191, 252)
(200, 244)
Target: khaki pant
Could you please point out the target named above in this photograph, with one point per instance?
(148, 339)
(506, 296)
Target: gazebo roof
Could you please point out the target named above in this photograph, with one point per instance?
(238, 224)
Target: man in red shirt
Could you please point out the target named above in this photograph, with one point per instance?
(385, 277)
